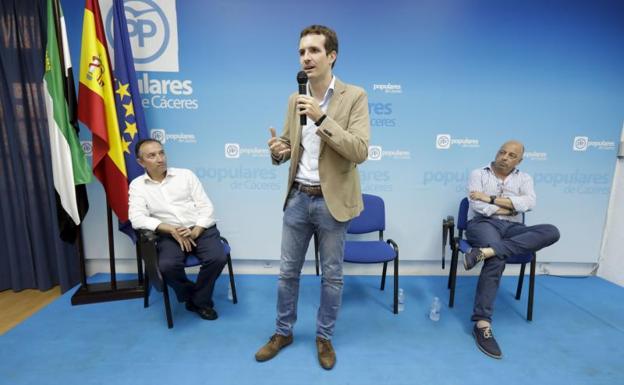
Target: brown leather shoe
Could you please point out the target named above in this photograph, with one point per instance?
(271, 348)
(326, 353)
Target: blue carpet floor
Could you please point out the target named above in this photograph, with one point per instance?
(576, 337)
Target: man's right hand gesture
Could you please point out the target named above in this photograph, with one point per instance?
(277, 146)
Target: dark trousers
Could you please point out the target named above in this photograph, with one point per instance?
(209, 251)
(507, 239)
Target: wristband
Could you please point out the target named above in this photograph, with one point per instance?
(492, 199)
(320, 121)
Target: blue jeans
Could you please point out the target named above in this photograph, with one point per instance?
(507, 239)
(303, 216)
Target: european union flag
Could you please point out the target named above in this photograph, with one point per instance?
(130, 115)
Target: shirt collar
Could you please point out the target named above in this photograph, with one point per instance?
(171, 172)
(328, 93)
(489, 168)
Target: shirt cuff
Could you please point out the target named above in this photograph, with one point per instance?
(277, 159)
(518, 204)
(205, 223)
(490, 209)
(151, 224)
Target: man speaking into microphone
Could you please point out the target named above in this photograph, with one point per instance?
(325, 136)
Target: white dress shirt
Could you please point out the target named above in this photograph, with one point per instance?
(307, 172)
(517, 186)
(179, 200)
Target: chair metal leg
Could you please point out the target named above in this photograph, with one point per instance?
(232, 284)
(396, 284)
(520, 281)
(383, 276)
(316, 253)
(444, 239)
(443, 245)
(453, 277)
(167, 305)
(146, 291)
(453, 251)
(531, 288)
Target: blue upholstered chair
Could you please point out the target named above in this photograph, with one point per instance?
(372, 219)
(460, 244)
(146, 247)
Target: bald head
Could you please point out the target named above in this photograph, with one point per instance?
(508, 157)
(517, 145)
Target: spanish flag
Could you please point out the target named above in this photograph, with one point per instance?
(96, 109)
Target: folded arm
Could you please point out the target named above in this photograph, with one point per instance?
(480, 199)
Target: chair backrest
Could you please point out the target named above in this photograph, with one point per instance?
(372, 218)
(462, 215)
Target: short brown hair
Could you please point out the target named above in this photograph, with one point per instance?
(140, 143)
(331, 39)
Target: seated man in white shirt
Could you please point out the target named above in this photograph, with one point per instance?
(172, 202)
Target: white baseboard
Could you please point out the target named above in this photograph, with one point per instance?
(271, 267)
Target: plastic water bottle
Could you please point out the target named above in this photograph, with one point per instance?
(401, 300)
(230, 296)
(434, 313)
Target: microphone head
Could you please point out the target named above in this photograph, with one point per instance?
(302, 77)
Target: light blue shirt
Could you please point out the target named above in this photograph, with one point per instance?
(517, 186)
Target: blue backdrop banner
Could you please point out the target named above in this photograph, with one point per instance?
(448, 82)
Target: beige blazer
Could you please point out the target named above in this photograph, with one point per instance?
(344, 144)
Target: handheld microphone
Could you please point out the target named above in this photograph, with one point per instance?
(302, 79)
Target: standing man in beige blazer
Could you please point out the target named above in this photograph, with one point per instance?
(323, 186)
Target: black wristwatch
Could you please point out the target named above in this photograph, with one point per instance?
(320, 121)
(492, 199)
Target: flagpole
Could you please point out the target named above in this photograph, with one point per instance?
(81, 256)
(59, 38)
(111, 247)
(113, 290)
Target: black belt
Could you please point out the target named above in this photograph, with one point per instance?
(310, 190)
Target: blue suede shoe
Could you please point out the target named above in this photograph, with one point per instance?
(486, 342)
(472, 257)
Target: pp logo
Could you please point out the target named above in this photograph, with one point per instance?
(374, 153)
(232, 150)
(580, 143)
(87, 147)
(443, 141)
(153, 30)
(159, 134)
